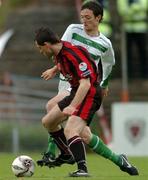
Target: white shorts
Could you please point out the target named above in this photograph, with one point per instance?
(63, 84)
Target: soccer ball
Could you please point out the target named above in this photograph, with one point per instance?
(23, 166)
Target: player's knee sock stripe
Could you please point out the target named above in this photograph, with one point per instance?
(94, 142)
(60, 140)
(74, 140)
(97, 143)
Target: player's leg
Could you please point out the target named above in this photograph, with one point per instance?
(104, 124)
(51, 103)
(51, 122)
(97, 145)
(51, 149)
(91, 140)
(63, 92)
(72, 131)
(50, 153)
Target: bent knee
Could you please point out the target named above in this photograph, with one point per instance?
(86, 136)
(44, 122)
(50, 104)
(48, 124)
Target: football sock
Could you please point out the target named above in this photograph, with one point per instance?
(78, 150)
(51, 149)
(60, 140)
(100, 148)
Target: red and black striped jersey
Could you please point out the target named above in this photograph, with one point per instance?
(75, 63)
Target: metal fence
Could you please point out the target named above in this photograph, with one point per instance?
(22, 106)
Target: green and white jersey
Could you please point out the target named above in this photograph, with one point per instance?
(99, 47)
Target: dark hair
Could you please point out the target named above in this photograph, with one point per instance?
(93, 5)
(46, 35)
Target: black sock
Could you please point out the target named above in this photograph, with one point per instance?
(61, 141)
(78, 150)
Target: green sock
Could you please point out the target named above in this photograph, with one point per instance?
(51, 146)
(97, 145)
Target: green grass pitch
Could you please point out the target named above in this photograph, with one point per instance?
(99, 169)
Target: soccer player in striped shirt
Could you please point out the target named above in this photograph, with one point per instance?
(100, 49)
(85, 98)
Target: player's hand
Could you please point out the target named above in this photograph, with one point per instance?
(69, 110)
(48, 74)
(105, 92)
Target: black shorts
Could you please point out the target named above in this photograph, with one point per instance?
(89, 105)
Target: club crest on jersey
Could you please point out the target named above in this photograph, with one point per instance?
(83, 66)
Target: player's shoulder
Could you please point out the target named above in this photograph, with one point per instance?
(75, 26)
(105, 39)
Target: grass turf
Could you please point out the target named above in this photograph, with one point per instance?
(99, 169)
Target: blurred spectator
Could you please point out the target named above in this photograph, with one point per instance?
(7, 80)
(6, 95)
(134, 15)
